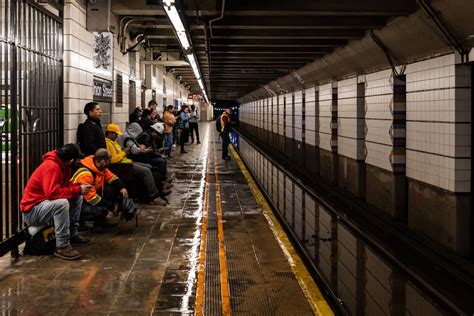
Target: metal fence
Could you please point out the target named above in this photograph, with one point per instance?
(31, 92)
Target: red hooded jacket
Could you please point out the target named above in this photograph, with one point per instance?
(50, 181)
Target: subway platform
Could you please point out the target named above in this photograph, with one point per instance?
(216, 249)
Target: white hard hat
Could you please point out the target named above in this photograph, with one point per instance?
(158, 127)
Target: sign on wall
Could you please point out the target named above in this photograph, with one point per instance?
(102, 90)
(102, 58)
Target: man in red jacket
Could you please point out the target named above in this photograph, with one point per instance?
(51, 197)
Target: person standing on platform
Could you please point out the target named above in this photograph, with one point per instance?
(193, 123)
(169, 120)
(90, 135)
(183, 127)
(224, 133)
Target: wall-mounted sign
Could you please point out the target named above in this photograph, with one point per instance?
(102, 90)
(102, 58)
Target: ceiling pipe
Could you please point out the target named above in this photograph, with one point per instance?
(218, 18)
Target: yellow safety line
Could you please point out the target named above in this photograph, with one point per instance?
(309, 287)
(222, 258)
(202, 252)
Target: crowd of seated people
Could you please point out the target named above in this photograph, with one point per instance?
(83, 184)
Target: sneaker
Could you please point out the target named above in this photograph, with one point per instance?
(66, 253)
(159, 202)
(174, 145)
(226, 158)
(183, 152)
(198, 142)
(81, 240)
(104, 224)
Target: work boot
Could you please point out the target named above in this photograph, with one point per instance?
(66, 253)
(159, 202)
(80, 240)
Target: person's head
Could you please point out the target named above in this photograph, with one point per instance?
(154, 114)
(193, 107)
(228, 111)
(102, 159)
(157, 130)
(170, 108)
(92, 110)
(146, 113)
(137, 111)
(152, 104)
(68, 153)
(112, 131)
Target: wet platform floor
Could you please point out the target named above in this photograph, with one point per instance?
(159, 267)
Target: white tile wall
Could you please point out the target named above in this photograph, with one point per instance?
(298, 115)
(281, 109)
(379, 102)
(350, 128)
(438, 123)
(289, 115)
(77, 67)
(274, 111)
(310, 116)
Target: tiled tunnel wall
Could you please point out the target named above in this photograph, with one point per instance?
(401, 143)
(366, 283)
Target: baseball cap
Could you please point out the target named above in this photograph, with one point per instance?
(158, 127)
(114, 128)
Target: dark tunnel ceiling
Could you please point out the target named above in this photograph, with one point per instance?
(258, 41)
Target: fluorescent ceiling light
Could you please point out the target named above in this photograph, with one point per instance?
(173, 15)
(200, 84)
(192, 62)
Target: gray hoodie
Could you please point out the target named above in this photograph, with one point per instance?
(131, 133)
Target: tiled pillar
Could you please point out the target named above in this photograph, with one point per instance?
(298, 127)
(328, 132)
(351, 115)
(439, 150)
(385, 182)
(311, 151)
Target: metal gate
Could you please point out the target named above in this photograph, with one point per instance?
(31, 104)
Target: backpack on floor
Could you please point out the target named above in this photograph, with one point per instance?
(42, 243)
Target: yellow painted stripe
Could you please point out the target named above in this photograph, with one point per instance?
(309, 287)
(220, 231)
(202, 252)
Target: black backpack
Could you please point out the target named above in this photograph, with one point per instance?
(42, 243)
(218, 124)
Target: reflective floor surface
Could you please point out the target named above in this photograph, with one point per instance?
(159, 266)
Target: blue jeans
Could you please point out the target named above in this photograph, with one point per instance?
(63, 213)
(169, 142)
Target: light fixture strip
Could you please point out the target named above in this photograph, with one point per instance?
(173, 15)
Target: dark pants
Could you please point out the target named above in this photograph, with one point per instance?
(194, 128)
(183, 137)
(225, 144)
(98, 212)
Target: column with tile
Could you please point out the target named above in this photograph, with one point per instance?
(439, 150)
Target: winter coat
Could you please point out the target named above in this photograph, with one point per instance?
(50, 181)
(90, 136)
(91, 175)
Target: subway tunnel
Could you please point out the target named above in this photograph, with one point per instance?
(340, 184)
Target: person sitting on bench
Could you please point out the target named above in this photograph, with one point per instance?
(132, 172)
(104, 195)
(50, 196)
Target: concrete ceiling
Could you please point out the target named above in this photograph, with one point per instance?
(258, 41)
